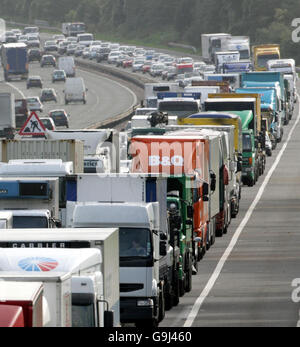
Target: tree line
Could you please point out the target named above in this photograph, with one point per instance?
(184, 21)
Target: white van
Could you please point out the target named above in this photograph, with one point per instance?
(75, 90)
(68, 65)
(85, 39)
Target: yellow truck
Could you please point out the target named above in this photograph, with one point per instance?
(262, 54)
(238, 102)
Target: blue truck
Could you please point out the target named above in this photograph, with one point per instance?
(270, 111)
(14, 61)
(271, 80)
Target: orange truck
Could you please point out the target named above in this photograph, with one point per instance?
(184, 155)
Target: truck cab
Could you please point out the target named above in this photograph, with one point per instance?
(72, 279)
(141, 248)
(179, 104)
(262, 54)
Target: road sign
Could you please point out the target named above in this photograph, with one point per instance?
(33, 126)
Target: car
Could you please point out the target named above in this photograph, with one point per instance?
(58, 75)
(60, 118)
(48, 60)
(34, 54)
(102, 54)
(62, 47)
(31, 30)
(17, 32)
(48, 123)
(71, 48)
(146, 67)
(122, 57)
(34, 81)
(156, 70)
(78, 51)
(138, 64)
(86, 53)
(50, 46)
(33, 41)
(48, 94)
(58, 38)
(113, 56)
(34, 103)
(23, 39)
(10, 37)
(93, 52)
(128, 62)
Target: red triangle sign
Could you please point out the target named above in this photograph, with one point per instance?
(33, 126)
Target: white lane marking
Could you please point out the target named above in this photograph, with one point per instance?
(199, 302)
(117, 83)
(17, 89)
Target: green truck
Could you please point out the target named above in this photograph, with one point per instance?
(251, 167)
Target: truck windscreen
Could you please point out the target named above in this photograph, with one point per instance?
(173, 107)
(136, 249)
(30, 222)
(244, 54)
(247, 144)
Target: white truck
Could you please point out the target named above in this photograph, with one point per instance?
(224, 57)
(204, 91)
(181, 105)
(137, 204)
(33, 201)
(77, 290)
(212, 43)
(152, 89)
(240, 44)
(101, 148)
(7, 115)
(42, 168)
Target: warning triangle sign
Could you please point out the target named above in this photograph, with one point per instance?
(33, 126)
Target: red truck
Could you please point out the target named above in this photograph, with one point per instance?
(21, 304)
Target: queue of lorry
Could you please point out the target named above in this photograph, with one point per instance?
(105, 229)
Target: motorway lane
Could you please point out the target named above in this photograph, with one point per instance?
(254, 287)
(105, 98)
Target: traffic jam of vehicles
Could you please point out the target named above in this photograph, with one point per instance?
(139, 207)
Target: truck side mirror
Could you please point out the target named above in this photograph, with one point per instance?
(108, 319)
(205, 189)
(213, 181)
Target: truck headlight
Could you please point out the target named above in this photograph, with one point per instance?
(145, 303)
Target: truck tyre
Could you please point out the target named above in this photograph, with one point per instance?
(182, 287)
(189, 280)
(251, 182)
(168, 297)
(176, 289)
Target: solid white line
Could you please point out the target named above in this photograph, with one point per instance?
(199, 302)
(117, 83)
(17, 89)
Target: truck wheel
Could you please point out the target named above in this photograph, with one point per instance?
(176, 289)
(168, 297)
(189, 280)
(181, 287)
(219, 232)
(251, 182)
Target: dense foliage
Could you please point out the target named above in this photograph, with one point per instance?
(267, 21)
